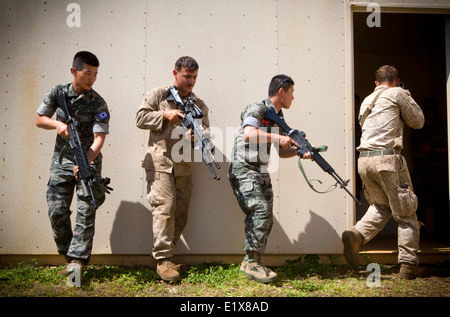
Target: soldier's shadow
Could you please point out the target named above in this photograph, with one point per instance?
(132, 231)
(318, 237)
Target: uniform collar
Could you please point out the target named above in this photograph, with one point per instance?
(379, 87)
(73, 94)
(269, 104)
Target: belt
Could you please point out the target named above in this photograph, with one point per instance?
(379, 152)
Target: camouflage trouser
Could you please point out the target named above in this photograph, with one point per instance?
(389, 191)
(254, 194)
(76, 244)
(169, 197)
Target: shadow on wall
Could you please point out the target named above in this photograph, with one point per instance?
(318, 237)
(132, 231)
(132, 234)
(216, 224)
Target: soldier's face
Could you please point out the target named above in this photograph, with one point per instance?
(185, 80)
(286, 97)
(85, 78)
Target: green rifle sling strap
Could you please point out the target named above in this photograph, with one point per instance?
(322, 148)
(63, 152)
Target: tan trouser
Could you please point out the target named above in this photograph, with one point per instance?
(169, 197)
(389, 191)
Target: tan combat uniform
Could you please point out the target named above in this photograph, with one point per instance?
(384, 171)
(169, 182)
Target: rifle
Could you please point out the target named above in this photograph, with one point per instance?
(305, 147)
(192, 112)
(85, 174)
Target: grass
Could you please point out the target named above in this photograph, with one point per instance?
(303, 277)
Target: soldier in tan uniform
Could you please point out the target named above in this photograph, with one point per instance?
(169, 180)
(384, 171)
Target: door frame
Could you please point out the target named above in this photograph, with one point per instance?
(351, 7)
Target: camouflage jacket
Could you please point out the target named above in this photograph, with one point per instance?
(89, 109)
(249, 155)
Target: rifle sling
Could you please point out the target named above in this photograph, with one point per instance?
(369, 109)
(63, 152)
(322, 148)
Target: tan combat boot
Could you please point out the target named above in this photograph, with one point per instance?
(244, 264)
(256, 271)
(63, 271)
(352, 241)
(167, 270)
(70, 266)
(411, 271)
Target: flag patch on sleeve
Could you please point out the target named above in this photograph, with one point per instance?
(103, 115)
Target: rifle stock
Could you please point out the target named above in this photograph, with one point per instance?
(304, 147)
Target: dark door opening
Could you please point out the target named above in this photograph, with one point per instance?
(415, 45)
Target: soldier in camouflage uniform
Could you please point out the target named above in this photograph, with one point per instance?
(249, 177)
(89, 108)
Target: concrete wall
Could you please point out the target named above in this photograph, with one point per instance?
(240, 46)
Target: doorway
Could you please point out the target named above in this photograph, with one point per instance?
(415, 44)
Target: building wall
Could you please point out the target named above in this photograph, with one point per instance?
(240, 46)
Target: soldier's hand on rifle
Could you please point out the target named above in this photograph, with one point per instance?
(189, 135)
(307, 156)
(286, 142)
(173, 115)
(61, 129)
(75, 171)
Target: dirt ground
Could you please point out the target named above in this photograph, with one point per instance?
(435, 283)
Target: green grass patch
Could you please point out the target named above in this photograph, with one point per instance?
(302, 277)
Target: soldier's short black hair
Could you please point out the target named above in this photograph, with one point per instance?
(82, 58)
(279, 81)
(187, 62)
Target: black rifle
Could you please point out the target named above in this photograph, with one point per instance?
(305, 147)
(85, 175)
(192, 112)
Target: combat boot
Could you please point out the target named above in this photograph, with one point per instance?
(352, 241)
(244, 264)
(411, 271)
(167, 270)
(256, 271)
(70, 266)
(63, 271)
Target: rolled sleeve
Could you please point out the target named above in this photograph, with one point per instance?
(49, 104)
(100, 127)
(250, 121)
(45, 110)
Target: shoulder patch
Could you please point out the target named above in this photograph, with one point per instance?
(103, 115)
